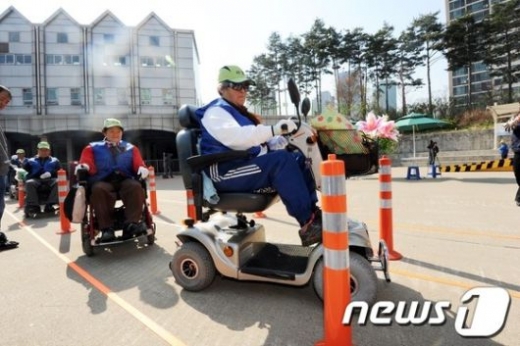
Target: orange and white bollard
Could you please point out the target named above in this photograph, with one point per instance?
(190, 202)
(260, 215)
(336, 267)
(63, 189)
(21, 194)
(385, 207)
(153, 191)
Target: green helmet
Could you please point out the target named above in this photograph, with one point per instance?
(233, 74)
(112, 122)
(20, 151)
(43, 145)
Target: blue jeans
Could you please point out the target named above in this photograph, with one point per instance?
(287, 172)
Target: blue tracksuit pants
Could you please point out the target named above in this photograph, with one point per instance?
(286, 172)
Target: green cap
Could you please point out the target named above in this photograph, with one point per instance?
(112, 122)
(233, 74)
(44, 145)
(20, 151)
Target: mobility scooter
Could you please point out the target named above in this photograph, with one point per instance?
(219, 238)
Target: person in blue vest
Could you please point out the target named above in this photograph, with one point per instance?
(114, 167)
(503, 149)
(42, 173)
(17, 162)
(227, 125)
(5, 99)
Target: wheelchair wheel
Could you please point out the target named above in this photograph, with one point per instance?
(193, 267)
(88, 249)
(151, 237)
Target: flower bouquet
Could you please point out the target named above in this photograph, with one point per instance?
(381, 130)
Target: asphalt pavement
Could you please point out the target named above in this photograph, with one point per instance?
(455, 232)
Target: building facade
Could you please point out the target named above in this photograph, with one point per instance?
(482, 83)
(66, 78)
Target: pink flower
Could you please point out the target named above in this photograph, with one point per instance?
(370, 126)
(378, 127)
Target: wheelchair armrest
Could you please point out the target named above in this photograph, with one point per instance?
(198, 162)
(82, 175)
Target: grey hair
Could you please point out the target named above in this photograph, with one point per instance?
(221, 87)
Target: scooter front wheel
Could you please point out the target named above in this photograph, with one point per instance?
(363, 279)
(192, 267)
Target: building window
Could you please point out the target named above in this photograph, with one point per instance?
(121, 97)
(4, 47)
(63, 37)
(19, 59)
(99, 96)
(160, 61)
(108, 38)
(120, 60)
(55, 59)
(147, 61)
(167, 96)
(154, 41)
(75, 96)
(146, 96)
(27, 96)
(52, 96)
(14, 36)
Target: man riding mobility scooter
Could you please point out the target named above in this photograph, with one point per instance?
(216, 241)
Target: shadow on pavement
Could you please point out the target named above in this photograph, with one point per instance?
(446, 270)
(294, 316)
(113, 268)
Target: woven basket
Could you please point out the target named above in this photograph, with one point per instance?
(344, 141)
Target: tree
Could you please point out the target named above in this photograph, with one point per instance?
(428, 31)
(262, 94)
(463, 47)
(382, 58)
(409, 58)
(350, 53)
(502, 30)
(317, 58)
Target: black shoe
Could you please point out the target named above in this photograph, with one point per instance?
(311, 232)
(49, 208)
(107, 235)
(3, 238)
(134, 229)
(6, 244)
(32, 210)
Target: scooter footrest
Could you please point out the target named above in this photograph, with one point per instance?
(281, 261)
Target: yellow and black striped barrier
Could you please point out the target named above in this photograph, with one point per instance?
(494, 165)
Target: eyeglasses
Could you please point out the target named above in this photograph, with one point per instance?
(238, 86)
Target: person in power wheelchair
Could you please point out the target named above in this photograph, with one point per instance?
(18, 160)
(41, 181)
(114, 167)
(226, 125)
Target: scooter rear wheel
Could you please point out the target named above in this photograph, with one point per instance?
(363, 279)
(193, 267)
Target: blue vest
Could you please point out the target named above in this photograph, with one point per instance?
(108, 162)
(208, 144)
(36, 166)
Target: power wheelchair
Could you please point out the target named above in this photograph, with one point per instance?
(90, 232)
(44, 191)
